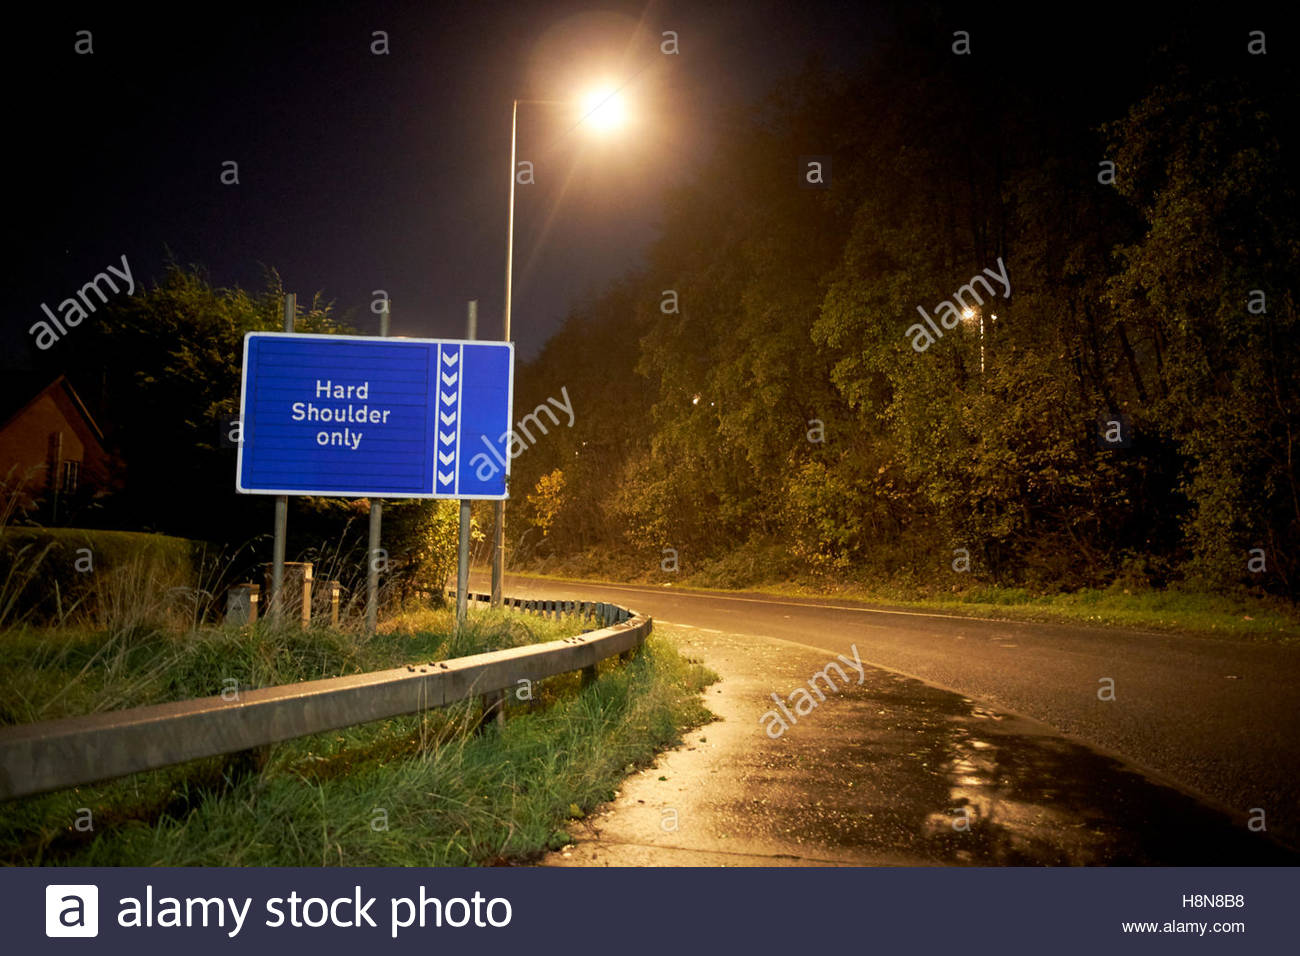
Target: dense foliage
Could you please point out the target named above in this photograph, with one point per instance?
(774, 403)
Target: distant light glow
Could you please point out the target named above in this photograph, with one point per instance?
(968, 313)
(604, 109)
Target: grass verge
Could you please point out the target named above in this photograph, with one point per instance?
(47, 673)
(1182, 610)
(414, 791)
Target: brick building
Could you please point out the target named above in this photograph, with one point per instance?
(52, 455)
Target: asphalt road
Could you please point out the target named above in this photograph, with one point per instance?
(1217, 718)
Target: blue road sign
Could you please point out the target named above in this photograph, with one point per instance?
(352, 416)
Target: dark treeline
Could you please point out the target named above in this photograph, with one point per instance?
(755, 390)
(162, 371)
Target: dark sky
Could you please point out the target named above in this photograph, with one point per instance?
(360, 171)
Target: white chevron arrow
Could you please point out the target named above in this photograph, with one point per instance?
(450, 380)
(447, 437)
(446, 457)
(448, 418)
(445, 478)
(451, 358)
(449, 397)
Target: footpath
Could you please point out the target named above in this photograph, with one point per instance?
(884, 770)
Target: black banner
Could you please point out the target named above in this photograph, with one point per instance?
(1008, 910)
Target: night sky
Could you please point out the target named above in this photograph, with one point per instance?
(359, 171)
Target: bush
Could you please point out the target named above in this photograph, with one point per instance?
(421, 538)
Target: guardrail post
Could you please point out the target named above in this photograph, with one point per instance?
(295, 590)
(334, 588)
(494, 711)
(306, 595)
(243, 764)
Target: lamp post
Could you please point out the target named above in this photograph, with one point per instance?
(499, 524)
(969, 314)
(992, 318)
(603, 108)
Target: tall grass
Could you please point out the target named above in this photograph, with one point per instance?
(415, 791)
(139, 632)
(23, 570)
(134, 660)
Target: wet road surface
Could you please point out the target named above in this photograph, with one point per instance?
(1216, 718)
(889, 771)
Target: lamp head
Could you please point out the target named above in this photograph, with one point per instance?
(604, 109)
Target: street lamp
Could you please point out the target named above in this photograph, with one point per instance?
(603, 109)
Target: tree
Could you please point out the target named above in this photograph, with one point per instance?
(1208, 288)
(165, 366)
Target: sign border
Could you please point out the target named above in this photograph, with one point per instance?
(374, 340)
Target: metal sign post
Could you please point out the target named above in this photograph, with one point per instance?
(281, 502)
(376, 521)
(462, 563)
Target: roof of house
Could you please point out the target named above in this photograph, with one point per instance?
(19, 390)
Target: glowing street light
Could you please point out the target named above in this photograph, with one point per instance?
(604, 109)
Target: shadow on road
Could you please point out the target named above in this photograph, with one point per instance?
(936, 776)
